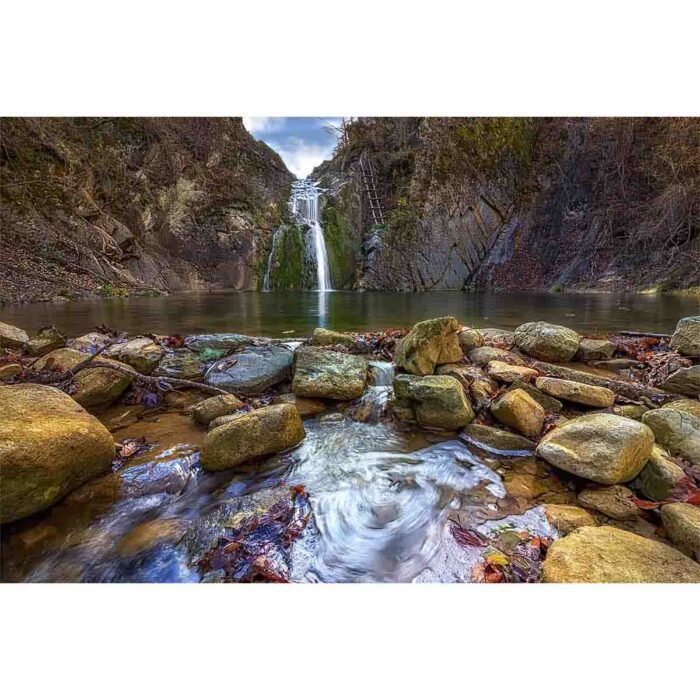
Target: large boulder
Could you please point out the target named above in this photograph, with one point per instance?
(685, 380)
(601, 447)
(181, 364)
(686, 338)
(49, 446)
(322, 337)
(659, 476)
(206, 411)
(593, 349)
(141, 353)
(252, 370)
(256, 434)
(546, 341)
(326, 374)
(614, 501)
(677, 431)
(682, 524)
(518, 410)
(429, 343)
(584, 394)
(439, 402)
(46, 340)
(691, 406)
(611, 555)
(504, 372)
(12, 337)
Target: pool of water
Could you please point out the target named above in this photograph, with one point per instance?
(276, 313)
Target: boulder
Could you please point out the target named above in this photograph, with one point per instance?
(593, 349)
(140, 353)
(659, 476)
(546, 341)
(256, 434)
(428, 344)
(90, 343)
(49, 446)
(322, 337)
(181, 364)
(121, 416)
(227, 342)
(252, 370)
(682, 524)
(677, 431)
(601, 447)
(326, 374)
(497, 336)
(469, 339)
(612, 555)
(685, 380)
(10, 370)
(439, 402)
(519, 411)
(615, 365)
(491, 438)
(566, 519)
(549, 403)
(614, 501)
(45, 341)
(691, 406)
(504, 372)
(584, 394)
(634, 411)
(12, 337)
(205, 411)
(306, 407)
(482, 356)
(686, 338)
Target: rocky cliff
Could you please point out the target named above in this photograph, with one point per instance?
(115, 206)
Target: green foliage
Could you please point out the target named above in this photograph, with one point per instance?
(287, 270)
(403, 222)
(109, 290)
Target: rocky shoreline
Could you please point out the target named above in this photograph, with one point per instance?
(602, 433)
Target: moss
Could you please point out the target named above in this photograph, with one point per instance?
(287, 270)
(339, 245)
(109, 290)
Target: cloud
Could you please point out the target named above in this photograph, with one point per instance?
(302, 158)
(264, 125)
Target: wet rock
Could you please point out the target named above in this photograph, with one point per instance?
(584, 394)
(469, 339)
(601, 447)
(546, 341)
(439, 401)
(684, 381)
(10, 370)
(150, 534)
(659, 476)
(593, 349)
(615, 365)
(611, 555)
(566, 519)
(535, 483)
(677, 431)
(180, 365)
(497, 336)
(90, 343)
(482, 356)
(252, 370)
(320, 373)
(306, 407)
(510, 373)
(229, 342)
(323, 337)
(184, 400)
(206, 411)
(519, 411)
(633, 411)
(682, 524)
(686, 338)
(140, 353)
(12, 337)
(549, 403)
(429, 343)
(256, 434)
(118, 417)
(49, 446)
(496, 438)
(45, 341)
(686, 405)
(614, 501)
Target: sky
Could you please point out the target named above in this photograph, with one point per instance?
(303, 142)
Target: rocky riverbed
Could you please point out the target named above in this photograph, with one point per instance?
(436, 453)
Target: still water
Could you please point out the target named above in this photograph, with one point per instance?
(278, 312)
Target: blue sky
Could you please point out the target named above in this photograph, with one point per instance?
(302, 142)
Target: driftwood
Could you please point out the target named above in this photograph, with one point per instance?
(642, 334)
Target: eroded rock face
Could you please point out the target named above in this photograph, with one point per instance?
(677, 431)
(428, 344)
(614, 501)
(518, 410)
(320, 373)
(323, 337)
(568, 518)
(684, 381)
(611, 555)
(206, 411)
(682, 524)
(592, 349)
(601, 447)
(686, 338)
(546, 341)
(11, 336)
(256, 434)
(253, 370)
(49, 446)
(584, 394)
(659, 476)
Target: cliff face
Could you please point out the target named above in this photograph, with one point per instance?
(522, 203)
(96, 205)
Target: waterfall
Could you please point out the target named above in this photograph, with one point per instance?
(270, 257)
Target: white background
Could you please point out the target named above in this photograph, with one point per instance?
(359, 57)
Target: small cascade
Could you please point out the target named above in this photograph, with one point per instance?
(273, 247)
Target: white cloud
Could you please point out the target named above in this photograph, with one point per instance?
(301, 158)
(264, 125)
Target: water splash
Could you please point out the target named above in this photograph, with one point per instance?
(304, 205)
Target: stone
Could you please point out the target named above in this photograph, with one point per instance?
(497, 336)
(206, 411)
(228, 342)
(510, 373)
(306, 407)
(323, 337)
(549, 403)
(482, 356)
(691, 406)
(140, 353)
(325, 374)
(10, 370)
(90, 343)
(496, 439)
(252, 370)
(566, 519)
(259, 433)
(612, 555)
(686, 338)
(470, 338)
(148, 535)
(634, 411)
(518, 410)
(615, 365)
(594, 349)
(601, 447)
(428, 344)
(584, 394)
(682, 524)
(118, 417)
(222, 420)
(546, 341)
(685, 380)
(659, 476)
(614, 501)
(45, 341)
(182, 364)
(677, 431)
(12, 337)
(439, 401)
(49, 446)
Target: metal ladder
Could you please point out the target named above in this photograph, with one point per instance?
(370, 186)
